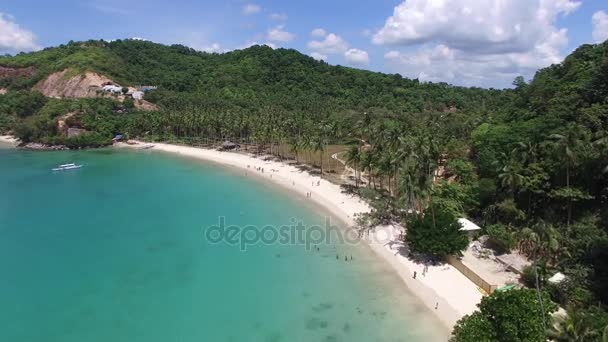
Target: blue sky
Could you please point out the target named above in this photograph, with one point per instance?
(466, 42)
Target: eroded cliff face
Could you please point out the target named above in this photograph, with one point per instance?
(62, 84)
(66, 84)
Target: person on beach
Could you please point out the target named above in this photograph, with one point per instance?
(415, 274)
(436, 305)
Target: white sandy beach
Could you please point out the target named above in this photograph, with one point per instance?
(443, 286)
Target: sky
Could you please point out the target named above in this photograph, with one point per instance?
(485, 43)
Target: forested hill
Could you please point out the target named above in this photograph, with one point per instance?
(281, 75)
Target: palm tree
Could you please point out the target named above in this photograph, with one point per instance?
(566, 146)
(408, 185)
(541, 242)
(575, 327)
(353, 157)
(525, 152)
(318, 144)
(510, 177)
(296, 148)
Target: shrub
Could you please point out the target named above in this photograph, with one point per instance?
(500, 238)
(464, 170)
(528, 276)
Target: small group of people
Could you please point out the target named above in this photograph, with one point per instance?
(345, 257)
(425, 270)
(257, 168)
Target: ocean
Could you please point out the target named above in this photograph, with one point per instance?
(146, 246)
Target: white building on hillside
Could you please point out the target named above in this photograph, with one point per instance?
(138, 95)
(112, 89)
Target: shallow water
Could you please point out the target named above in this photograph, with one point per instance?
(117, 251)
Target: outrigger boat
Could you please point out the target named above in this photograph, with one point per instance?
(64, 167)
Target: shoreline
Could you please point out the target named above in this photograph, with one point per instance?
(442, 286)
(443, 289)
(8, 139)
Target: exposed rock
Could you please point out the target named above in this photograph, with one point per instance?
(74, 132)
(61, 84)
(62, 126)
(8, 72)
(2, 91)
(43, 147)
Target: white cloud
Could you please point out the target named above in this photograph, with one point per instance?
(278, 34)
(13, 38)
(318, 56)
(600, 26)
(437, 63)
(318, 33)
(213, 48)
(357, 57)
(485, 26)
(250, 9)
(475, 42)
(278, 16)
(332, 44)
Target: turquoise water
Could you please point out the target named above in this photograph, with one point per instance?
(116, 251)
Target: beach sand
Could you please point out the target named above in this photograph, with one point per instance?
(443, 289)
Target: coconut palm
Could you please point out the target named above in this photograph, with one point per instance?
(541, 242)
(575, 327)
(510, 177)
(353, 158)
(567, 146)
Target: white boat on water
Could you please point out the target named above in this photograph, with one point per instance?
(64, 167)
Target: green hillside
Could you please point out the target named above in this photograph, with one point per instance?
(254, 73)
(236, 88)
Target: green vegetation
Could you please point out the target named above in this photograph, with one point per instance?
(530, 164)
(436, 232)
(509, 316)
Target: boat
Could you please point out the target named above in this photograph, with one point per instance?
(147, 147)
(64, 167)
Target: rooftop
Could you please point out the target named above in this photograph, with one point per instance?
(468, 225)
